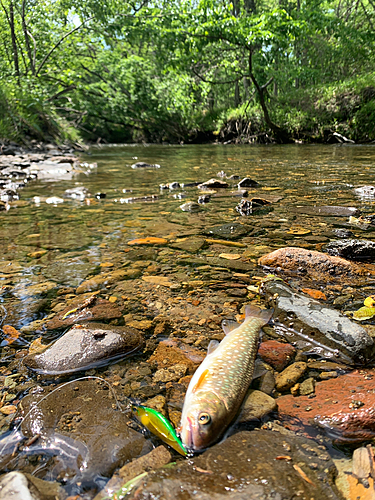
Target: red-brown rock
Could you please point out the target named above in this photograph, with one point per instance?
(344, 407)
(317, 264)
(276, 353)
(173, 352)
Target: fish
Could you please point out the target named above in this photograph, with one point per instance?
(219, 385)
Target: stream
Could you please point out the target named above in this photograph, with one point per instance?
(158, 260)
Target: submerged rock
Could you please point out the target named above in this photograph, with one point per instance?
(343, 406)
(257, 465)
(190, 206)
(142, 164)
(83, 347)
(88, 309)
(352, 249)
(247, 182)
(232, 231)
(213, 184)
(77, 193)
(317, 264)
(327, 210)
(78, 428)
(315, 319)
(17, 486)
(365, 192)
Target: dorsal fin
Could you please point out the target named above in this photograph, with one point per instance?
(229, 325)
(200, 380)
(212, 346)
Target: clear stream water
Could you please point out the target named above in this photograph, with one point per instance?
(79, 236)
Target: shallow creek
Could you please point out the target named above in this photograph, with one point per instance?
(171, 275)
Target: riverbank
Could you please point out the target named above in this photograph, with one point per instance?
(326, 114)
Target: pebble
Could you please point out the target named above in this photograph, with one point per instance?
(288, 377)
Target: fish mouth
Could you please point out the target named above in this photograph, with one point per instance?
(189, 436)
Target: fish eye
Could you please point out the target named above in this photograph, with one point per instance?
(204, 418)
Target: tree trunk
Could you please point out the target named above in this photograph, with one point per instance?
(237, 99)
(27, 39)
(280, 134)
(14, 41)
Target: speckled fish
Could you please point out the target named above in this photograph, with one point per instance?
(218, 387)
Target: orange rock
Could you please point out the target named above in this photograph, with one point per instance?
(11, 334)
(171, 352)
(344, 406)
(315, 294)
(276, 353)
(316, 264)
(150, 240)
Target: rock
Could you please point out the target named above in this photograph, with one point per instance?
(172, 352)
(170, 374)
(256, 406)
(10, 267)
(248, 465)
(246, 182)
(14, 486)
(343, 406)
(158, 403)
(255, 205)
(317, 264)
(142, 164)
(352, 249)
(316, 320)
(91, 309)
(156, 458)
(85, 346)
(78, 430)
(326, 210)
(22, 291)
(69, 272)
(213, 184)
(204, 198)
(104, 279)
(232, 231)
(276, 353)
(77, 193)
(191, 245)
(288, 377)
(190, 206)
(267, 382)
(307, 387)
(365, 193)
(150, 240)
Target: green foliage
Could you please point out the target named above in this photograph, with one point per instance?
(169, 70)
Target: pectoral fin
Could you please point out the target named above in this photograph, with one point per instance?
(201, 379)
(212, 346)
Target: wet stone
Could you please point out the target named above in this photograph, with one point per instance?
(342, 406)
(156, 458)
(79, 426)
(247, 182)
(213, 184)
(276, 354)
(256, 406)
(190, 206)
(81, 309)
(142, 164)
(192, 245)
(317, 264)
(172, 352)
(102, 280)
(307, 387)
(245, 466)
(352, 249)
(288, 377)
(326, 210)
(85, 346)
(316, 320)
(232, 231)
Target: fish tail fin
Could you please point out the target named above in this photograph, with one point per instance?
(252, 311)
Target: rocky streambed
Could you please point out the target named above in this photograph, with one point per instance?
(112, 295)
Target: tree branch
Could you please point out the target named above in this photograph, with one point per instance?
(46, 57)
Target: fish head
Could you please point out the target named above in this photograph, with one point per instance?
(203, 422)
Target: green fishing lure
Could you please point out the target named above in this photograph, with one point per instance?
(158, 425)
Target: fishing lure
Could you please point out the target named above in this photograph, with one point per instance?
(158, 425)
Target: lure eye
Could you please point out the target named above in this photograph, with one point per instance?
(204, 418)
